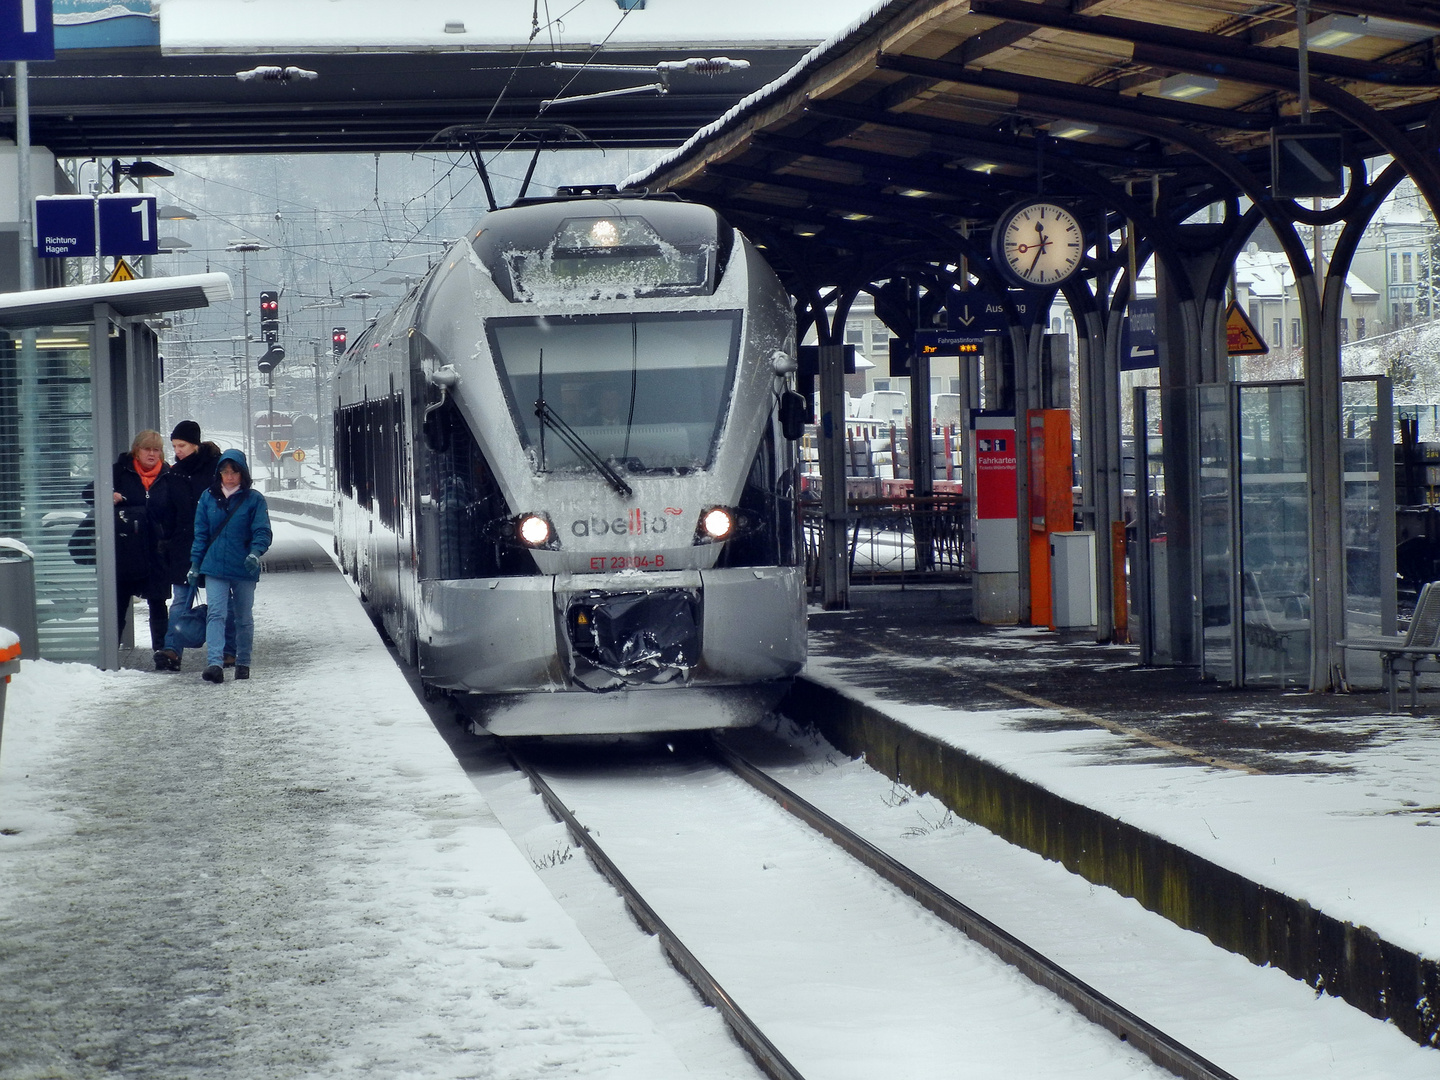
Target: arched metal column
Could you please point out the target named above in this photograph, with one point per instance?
(1177, 341)
(830, 425)
(1099, 365)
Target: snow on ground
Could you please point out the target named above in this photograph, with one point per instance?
(1257, 1023)
(281, 878)
(293, 877)
(848, 975)
(1359, 843)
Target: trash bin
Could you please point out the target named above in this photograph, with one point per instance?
(17, 595)
(9, 665)
(1072, 580)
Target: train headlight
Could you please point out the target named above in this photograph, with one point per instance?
(604, 233)
(535, 530)
(716, 524)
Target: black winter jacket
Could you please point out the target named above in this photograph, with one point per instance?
(137, 551)
(178, 491)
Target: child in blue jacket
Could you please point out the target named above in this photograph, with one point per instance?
(232, 531)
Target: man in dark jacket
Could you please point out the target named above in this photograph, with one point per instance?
(232, 531)
(179, 494)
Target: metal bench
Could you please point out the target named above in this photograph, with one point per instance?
(1418, 651)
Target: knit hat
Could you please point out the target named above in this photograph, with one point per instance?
(187, 431)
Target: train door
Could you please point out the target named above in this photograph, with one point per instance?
(396, 536)
(364, 496)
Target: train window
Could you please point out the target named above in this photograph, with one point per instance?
(767, 508)
(463, 503)
(609, 257)
(385, 426)
(645, 391)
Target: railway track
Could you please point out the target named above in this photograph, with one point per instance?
(1162, 1049)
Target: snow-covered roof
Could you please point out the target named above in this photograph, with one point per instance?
(1266, 281)
(132, 299)
(300, 26)
(1359, 290)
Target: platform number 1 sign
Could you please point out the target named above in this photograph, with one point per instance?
(27, 30)
(76, 225)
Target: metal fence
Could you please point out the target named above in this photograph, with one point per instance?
(897, 539)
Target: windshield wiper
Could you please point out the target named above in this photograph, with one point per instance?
(571, 438)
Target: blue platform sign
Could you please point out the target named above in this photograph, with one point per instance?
(1137, 336)
(64, 226)
(977, 313)
(27, 30)
(128, 225)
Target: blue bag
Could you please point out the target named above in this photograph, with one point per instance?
(188, 626)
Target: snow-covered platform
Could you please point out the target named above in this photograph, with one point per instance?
(1297, 829)
(285, 877)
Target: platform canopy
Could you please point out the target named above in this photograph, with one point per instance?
(135, 299)
(937, 114)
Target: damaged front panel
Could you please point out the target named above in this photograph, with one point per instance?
(619, 639)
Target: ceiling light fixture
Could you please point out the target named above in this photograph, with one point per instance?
(1070, 129)
(1333, 31)
(1186, 87)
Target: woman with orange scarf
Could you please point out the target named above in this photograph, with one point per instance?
(139, 569)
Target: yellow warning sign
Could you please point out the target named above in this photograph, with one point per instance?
(277, 447)
(1241, 337)
(122, 271)
(298, 454)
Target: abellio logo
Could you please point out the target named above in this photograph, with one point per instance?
(636, 523)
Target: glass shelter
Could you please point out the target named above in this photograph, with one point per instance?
(80, 374)
(1251, 536)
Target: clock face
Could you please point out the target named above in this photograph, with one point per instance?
(1039, 243)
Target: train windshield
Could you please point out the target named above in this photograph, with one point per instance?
(609, 258)
(644, 392)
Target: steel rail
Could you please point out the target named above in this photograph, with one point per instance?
(1089, 1002)
(765, 1053)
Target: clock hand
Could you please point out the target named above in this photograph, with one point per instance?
(1039, 250)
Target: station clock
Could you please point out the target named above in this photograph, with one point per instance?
(1038, 243)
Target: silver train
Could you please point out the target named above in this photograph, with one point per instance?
(566, 471)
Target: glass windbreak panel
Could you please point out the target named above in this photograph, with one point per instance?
(46, 465)
(1152, 597)
(1368, 507)
(645, 392)
(1216, 531)
(1274, 535)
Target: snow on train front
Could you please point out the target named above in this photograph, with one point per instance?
(588, 405)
